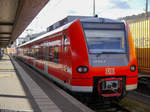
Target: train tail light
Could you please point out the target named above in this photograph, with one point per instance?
(133, 68)
(82, 69)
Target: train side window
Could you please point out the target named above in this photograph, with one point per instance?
(34, 54)
(38, 56)
(42, 52)
(50, 53)
(38, 53)
(56, 54)
(26, 52)
(46, 53)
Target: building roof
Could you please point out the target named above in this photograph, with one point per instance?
(15, 16)
(135, 18)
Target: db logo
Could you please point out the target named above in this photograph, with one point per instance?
(109, 71)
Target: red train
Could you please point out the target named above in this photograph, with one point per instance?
(85, 55)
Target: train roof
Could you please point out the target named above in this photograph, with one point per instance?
(47, 34)
(82, 19)
(66, 22)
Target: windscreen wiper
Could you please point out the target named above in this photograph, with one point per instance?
(111, 52)
(108, 52)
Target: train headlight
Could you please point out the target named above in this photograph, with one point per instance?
(82, 69)
(132, 68)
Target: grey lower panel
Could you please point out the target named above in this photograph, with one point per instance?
(104, 60)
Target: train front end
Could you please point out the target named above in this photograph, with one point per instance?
(112, 66)
(111, 56)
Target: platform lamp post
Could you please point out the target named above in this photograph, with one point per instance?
(94, 14)
(93, 7)
(146, 8)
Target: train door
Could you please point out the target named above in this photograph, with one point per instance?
(46, 60)
(42, 58)
(34, 54)
(37, 54)
(66, 58)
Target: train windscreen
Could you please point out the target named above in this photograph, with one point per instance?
(107, 44)
(105, 37)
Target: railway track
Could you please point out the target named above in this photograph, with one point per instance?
(143, 88)
(113, 107)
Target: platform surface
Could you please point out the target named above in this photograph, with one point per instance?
(12, 94)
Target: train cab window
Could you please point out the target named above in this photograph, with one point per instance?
(56, 54)
(66, 42)
(50, 53)
(105, 37)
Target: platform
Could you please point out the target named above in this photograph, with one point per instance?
(19, 92)
(12, 94)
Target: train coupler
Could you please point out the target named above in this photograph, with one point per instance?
(109, 87)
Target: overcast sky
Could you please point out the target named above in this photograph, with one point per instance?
(58, 9)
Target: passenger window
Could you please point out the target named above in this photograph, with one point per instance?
(46, 53)
(50, 53)
(38, 53)
(56, 54)
(42, 53)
